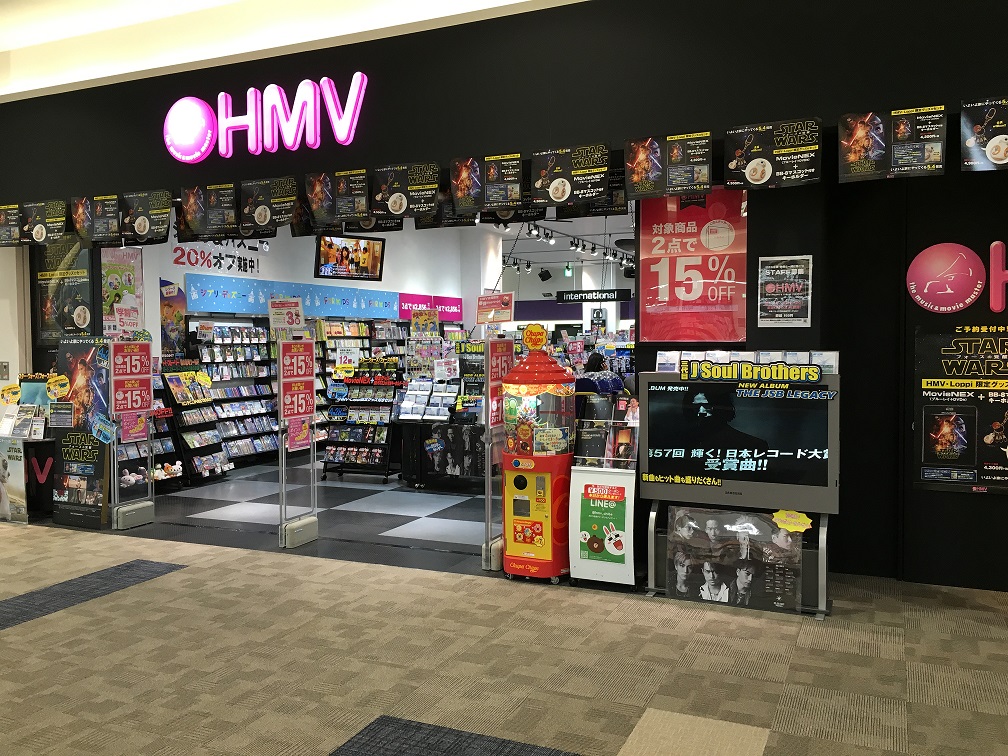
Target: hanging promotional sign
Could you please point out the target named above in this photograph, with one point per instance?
(674, 164)
(266, 204)
(775, 154)
(571, 174)
(500, 361)
(887, 144)
(337, 196)
(43, 222)
(10, 225)
(491, 183)
(495, 308)
(122, 286)
(208, 212)
(692, 269)
(785, 292)
(146, 216)
(286, 313)
(983, 126)
(96, 219)
(406, 189)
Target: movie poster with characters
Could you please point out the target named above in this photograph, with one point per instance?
(208, 213)
(63, 307)
(122, 288)
(893, 143)
(744, 559)
(961, 400)
(983, 127)
(673, 164)
(918, 141)
(13, 502)
(173, 312)
(80, 482)
(775, 154)
(337, 196)
(10, 225)
(95, 219)
(265, 205)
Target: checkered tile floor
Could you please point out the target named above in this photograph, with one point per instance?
(408, 527)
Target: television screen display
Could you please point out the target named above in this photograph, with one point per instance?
(350, 257)
(748, 443)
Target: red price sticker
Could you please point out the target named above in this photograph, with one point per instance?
(132, 395)
(297, 398)
(130, 358)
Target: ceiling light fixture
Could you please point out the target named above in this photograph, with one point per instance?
(544, 275)
(568, 271)
(528, 266)
(594, 251)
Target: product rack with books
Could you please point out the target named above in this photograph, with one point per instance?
(191, 401)
(360, 431)
(389, 340)
(606, 432)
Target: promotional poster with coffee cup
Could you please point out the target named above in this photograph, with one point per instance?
(43, 222)
(570, 174)
(774, 154)
(146, 216)
(401, 190)
(613, 203)
(983, 127)
(265, 205)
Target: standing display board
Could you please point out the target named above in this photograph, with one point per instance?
(285, 313)
(601, 524)
(296, 369)
(132, 380)
(297, 379)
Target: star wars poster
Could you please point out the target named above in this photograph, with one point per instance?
(81, 475)
(13, 503)
(335, 197)
(208, 213)
(887, 144)
(674, 164)
(961, 401)
(747, 559)
(775, 154)
(265, 205)
(983, 127)
(63, 308)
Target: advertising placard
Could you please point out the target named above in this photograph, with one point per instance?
(131, 359)
(286, 313)
(122, 286)
(96, 218)
(146, 216)
(785, 292)
(961, 404)
(297, 379)
(265, 205)
(774, 154)
(500, 360)
(748, 559)
(674, 164)
(63, 307)
(601, 525)
(10, 225)
(886, 144)
(337, 196)
(208, 212)
(132, 386)
(43, 222)
(570, 174)
(298, 433)
(983, 126)
(692, 268)
(13, 501)
(406, 189)
(424, 323)
(131, 395)
(495, 308)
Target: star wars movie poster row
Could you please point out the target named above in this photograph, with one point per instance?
(892, 143)
(745, 559)
(961, 403)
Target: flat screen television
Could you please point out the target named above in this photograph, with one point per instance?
(741, 443)
(361, 258)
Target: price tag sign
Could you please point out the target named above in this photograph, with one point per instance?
(500, 358)
(286, 313)
(297, 379)
(130, 358)
(132, 386)
(132, 395)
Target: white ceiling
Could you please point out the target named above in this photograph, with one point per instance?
(602, 231)
(49, 46)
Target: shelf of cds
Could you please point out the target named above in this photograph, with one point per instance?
(360, 415)
(192, 403)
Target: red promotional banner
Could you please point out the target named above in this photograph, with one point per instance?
(133, 394)
(130, 358)
(495, 308)
(297, 379)
(692, 268)
(502, 360)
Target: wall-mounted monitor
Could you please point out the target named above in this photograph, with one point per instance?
(350, 257)
(763, 443)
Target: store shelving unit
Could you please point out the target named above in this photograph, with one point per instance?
(192, 405)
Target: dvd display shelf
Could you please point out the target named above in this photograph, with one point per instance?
(165, 464)
(360, 416)
(192, 405)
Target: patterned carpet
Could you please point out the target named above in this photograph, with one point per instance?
(249, 652)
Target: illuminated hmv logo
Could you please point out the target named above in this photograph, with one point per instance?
(192, 128)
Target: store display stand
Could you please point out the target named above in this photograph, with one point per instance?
(303, 528)
(135, 512)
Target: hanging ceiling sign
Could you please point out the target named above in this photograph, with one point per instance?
(193, 128)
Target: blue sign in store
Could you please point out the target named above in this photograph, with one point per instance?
(246, 296)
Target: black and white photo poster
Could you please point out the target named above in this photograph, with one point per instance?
(785, 292)
(735, 558)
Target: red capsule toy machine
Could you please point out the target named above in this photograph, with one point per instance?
(538, 398)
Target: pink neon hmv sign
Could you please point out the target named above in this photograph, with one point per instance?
(192, 128)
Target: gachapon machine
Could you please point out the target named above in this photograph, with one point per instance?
(538, 398)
